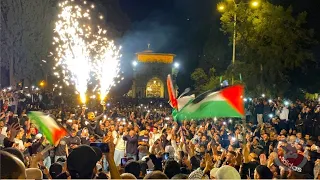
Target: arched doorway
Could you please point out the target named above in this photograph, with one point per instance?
(155, 88)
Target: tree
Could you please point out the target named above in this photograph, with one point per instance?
(26, 37)
(205, 81)
(270, 41)
(213, 80)
(200, 78)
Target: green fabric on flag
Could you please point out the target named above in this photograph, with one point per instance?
(227, 102)
(47, 126)
(208, 110)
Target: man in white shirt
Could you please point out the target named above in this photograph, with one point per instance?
(284, 116)
(154, 135)
(120, 146)
(114, 133)
(284, 113)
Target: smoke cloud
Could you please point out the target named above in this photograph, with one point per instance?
(161, 36)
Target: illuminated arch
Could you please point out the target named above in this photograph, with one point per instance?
(155, 88)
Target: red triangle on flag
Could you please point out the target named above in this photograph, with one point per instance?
(57, 134)
(234, 95)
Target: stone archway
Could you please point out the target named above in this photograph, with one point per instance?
(155, 88)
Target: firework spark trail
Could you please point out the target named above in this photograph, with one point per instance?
(80, 51)
(106, 64)
(72, 53)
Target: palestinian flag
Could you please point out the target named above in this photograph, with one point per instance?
(171, 92)
(47, 126)
(227, 102)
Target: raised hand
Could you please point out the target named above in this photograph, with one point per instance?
(209, 146)
(263, 159)
(35, 160)
(110, 154)
(209, 162)
(14, 130)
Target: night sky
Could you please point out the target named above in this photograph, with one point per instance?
(182, 27)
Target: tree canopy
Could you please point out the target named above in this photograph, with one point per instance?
(270, 41)
(205, 80)
(271, 44)
(26, 36)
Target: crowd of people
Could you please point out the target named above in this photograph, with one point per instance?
(276, 139)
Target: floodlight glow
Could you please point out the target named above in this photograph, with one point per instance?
(134, 63)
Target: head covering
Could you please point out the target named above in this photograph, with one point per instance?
(38, 136)
(15, 152)
(197, 174)
(98, 152)
(227, 172)
(55, 169)
(81, 162)
(34, 173)
(213, 172)
(127, 176)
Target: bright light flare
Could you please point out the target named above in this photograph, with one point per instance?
(134, 63)
(255, 3)
(106, 63)
(72, 53)
(82, 48)
(286, 103)
(221, 7)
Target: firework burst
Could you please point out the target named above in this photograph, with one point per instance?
(82, 48)
(106, 62)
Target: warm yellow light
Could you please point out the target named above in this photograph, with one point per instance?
(221, 8)
(83, 98)
(42, 83)
(255, 3)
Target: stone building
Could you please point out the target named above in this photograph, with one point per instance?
(150, 71)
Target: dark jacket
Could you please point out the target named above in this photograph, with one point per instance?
(132, 144)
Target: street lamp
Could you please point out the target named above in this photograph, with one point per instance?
(134, 63)
(221, 8)
(42, 83)
(176, 65)
(255, 3)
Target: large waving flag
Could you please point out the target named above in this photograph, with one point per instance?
(184, 100)
(47, 126)
(227, 102)
(171, 92)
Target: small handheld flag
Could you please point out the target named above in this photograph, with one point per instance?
(47, 126)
